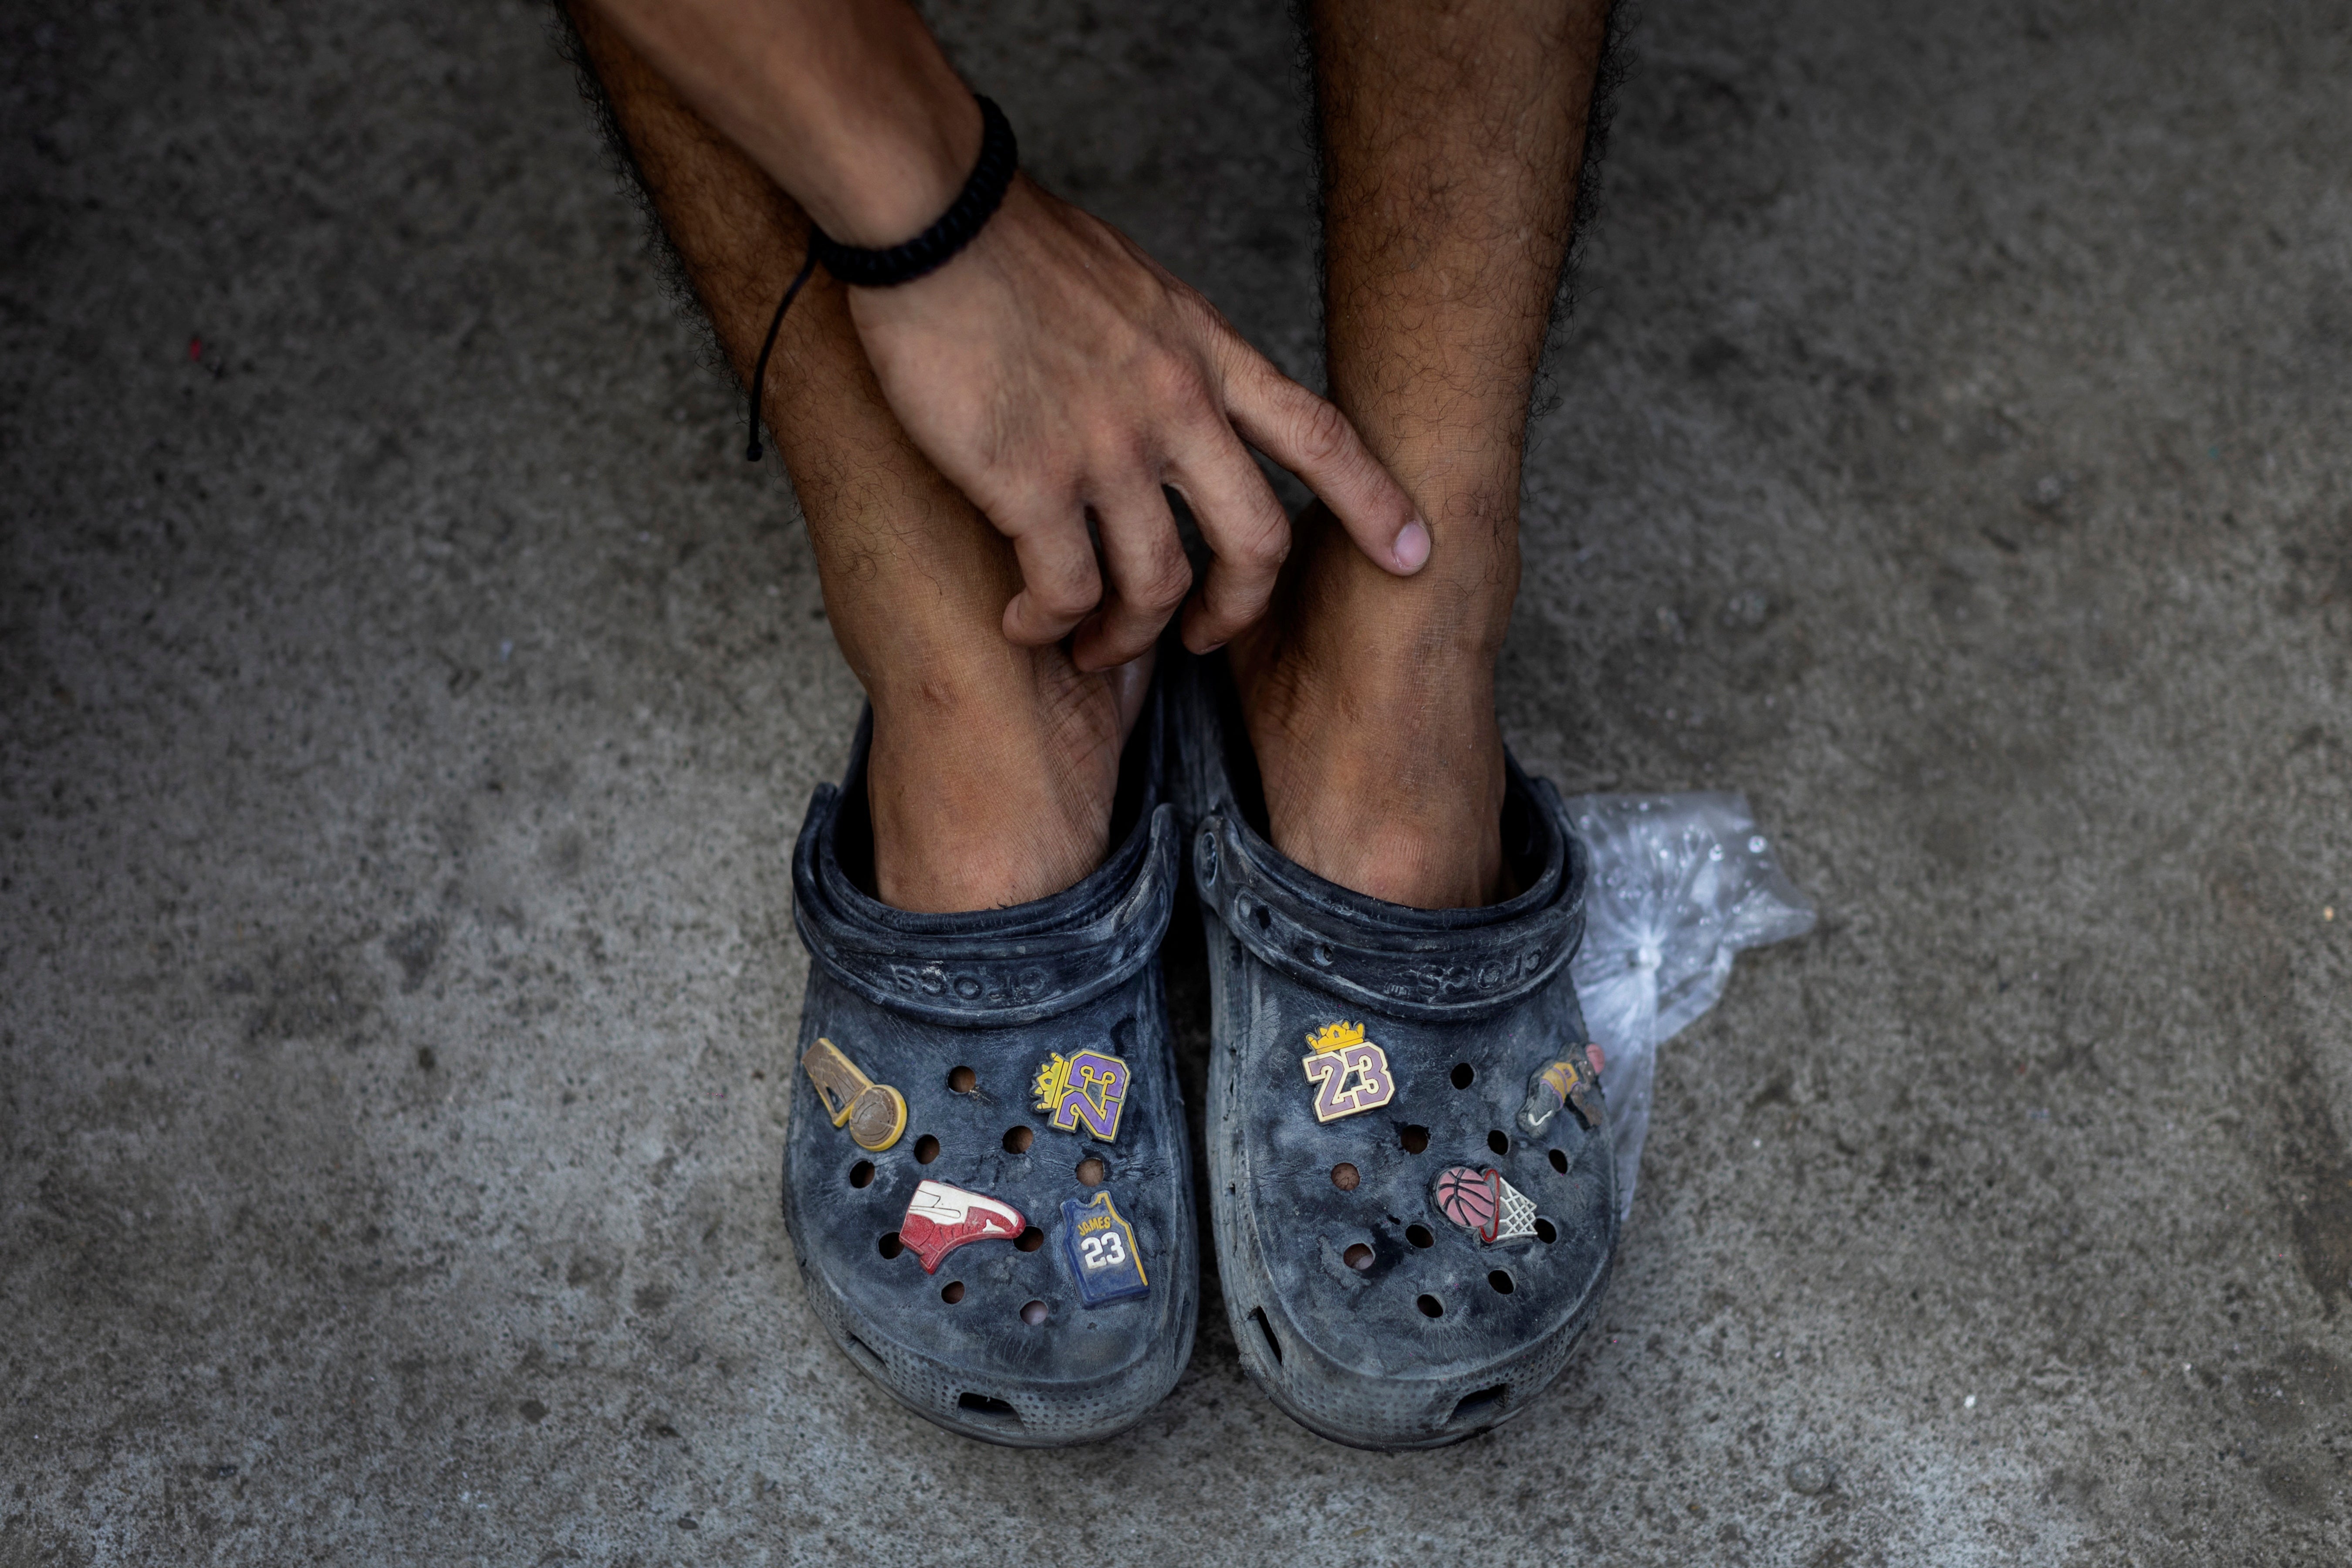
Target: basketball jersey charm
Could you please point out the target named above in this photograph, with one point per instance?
(1100, 1248)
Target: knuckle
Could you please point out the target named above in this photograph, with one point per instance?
(1067, 601)
(1124, 641)
(1235, 598)
(1063, 590)
(1268, 547)
(1166, 585)
(1323, 433)
(1174, 381)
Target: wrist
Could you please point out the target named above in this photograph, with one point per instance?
(939, 242)
(850, 107)
(894, 160)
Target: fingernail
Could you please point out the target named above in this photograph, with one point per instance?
(1412, 545)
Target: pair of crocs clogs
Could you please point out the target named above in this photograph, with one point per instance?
(987, 1179)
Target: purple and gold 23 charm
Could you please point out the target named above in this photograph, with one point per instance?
(1100, 1247)
(1090, 1087)
(1350, 1073)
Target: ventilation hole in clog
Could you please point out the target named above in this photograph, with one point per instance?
(1499, 1143)
(1463, 1075)
(861, 1173)
(1547, 1231)
(1419, 1235)
(1501, 1282)
(1559, 1162)
(1358, 1256)
(1032, 1238)
(961, 1080)
(1476, 1407)
(1018, 1139)
(926, 1149)
(953, 1293)
(1091, 1171)
(1416, 1140)
(1264, 916)
(1033, 1312)
(1431, 1306)
(1273, 1345)
(891, 1245)
(996, 1410)
(1346, 1177)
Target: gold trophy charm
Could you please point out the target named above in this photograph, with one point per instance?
(875, 1113)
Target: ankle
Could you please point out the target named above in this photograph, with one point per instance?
(992, 786)
(1383, 847)
(1383, 775)
(1370, 700)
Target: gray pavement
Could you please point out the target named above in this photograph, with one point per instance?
(407, 694)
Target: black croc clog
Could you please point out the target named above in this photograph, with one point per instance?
(1413, 1190)
(985, 1175)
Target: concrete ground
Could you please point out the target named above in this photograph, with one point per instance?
(407, 695)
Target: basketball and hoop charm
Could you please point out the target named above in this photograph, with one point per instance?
(1484, 1204)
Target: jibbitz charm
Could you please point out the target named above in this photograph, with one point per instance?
(941, 1219)
(1483, 1203)
(1349, 1072)
(1100, 1247)
(875, 1113)
(1090, 1087)
(1574, 1081)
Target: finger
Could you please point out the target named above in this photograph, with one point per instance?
(1059, 585)
(1314, 440)
(1148, 577)
(1130, 683)
(1247, 533)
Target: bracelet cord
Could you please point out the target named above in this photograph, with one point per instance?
(983, 194)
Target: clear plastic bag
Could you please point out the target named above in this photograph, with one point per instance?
(1680, 884)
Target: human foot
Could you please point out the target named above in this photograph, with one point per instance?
(985, 1170)
(992, 779)
(1373, 715)
(1412, 1192)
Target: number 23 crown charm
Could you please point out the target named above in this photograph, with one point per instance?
(1350, 1073)
(1089, 1088)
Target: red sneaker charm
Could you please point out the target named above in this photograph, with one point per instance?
(941, 1219)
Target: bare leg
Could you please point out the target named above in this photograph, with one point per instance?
(993, 767)
(1454, 135)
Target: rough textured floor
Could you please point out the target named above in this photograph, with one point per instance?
(407, 695)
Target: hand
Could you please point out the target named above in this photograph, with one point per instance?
(1058, 377)
(1051, 370)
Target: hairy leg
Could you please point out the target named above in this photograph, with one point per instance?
(993, 767)
(1453, 141)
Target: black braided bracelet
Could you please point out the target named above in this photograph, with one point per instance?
(983, 194)
(932, 249)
